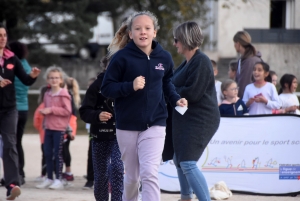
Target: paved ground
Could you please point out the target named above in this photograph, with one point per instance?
(75, 193)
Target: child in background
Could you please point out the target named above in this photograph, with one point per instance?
(289, 101)
(274, 77)
(90, 170)
(231, 105)
(261, 96)
(108, 166)
(72, 86)
(56, 113)
(38, 119)
(232, 69)
(217, 82)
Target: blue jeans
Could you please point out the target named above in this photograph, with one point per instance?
(53, 143)
(191, 180)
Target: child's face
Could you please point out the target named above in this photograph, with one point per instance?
(274, 79)
(54, 79)
(231, 91)
(231, 74)
(215, 71)
(294, 85)
(142, 32)
(259, 73)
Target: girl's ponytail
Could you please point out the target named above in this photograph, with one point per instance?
(120, 40)
(75, 90)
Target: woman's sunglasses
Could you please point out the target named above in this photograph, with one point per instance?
(175, 40)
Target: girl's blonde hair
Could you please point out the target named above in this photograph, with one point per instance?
(73, 87)
(226, 84)
(55, 69)
(121, 38)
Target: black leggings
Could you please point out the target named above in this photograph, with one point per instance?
(66, 152)
(22, 119)
(108, 166)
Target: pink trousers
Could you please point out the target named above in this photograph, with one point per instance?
(141, 154)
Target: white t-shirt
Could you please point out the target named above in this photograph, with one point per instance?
(269, 92)
(288, 100)
(219, 92)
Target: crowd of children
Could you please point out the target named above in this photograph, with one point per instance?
(259, 97)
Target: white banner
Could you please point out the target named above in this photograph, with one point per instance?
(253, 154)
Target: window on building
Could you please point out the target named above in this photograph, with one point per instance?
(278, 14)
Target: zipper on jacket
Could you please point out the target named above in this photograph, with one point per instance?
(234, 109)
(148, 57)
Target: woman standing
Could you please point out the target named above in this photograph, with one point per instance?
(21, 51)
(10, 66)
(249, 57)
(194, 80)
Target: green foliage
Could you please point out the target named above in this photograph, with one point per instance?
(76, 30)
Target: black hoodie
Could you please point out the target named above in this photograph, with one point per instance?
(93, 104)
(141, 109)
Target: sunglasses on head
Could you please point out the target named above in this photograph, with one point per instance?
(175, 40)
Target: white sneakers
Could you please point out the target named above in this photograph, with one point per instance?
(57, 184)
(45, 184)
(40, 179)
(48, 183)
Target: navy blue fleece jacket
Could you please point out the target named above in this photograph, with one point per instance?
(138, 110)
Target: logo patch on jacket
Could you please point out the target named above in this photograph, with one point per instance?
(240, 108)
(10, 66)
(159, 67)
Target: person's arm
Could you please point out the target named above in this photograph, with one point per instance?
(88, 112)
(168, 87)
(246, 99)
(274, 102)
(66, 110)
(112, 87)
(199, 75)
(26, 79)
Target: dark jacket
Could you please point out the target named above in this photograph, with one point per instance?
(138, 110)
(193, 130)
(12, 67)
(234, 109)
(93, 104)
(244, 77)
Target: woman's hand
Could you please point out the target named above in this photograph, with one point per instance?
(105, 116)
(182, 102)
(4, 82)
(34, 72)
(139, 83)
(46, 111)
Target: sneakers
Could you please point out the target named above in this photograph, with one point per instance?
(57, 184)
(88, 185)
(40, 179)
(68, 177)
(45, 184)
(13, 191)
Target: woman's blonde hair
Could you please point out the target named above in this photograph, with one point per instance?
(244, 38)
(73, 87)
